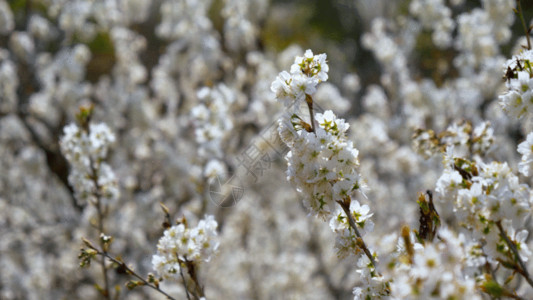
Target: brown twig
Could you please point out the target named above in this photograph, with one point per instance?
(309, 101)
(185, 284)
(192, 272)
(522, 266)
(132, 273)
(101, 215)
(346, 207)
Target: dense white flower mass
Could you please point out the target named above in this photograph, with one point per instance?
(85, 151)
(465, 140)
(210, 118)
(487, 199)
(183, 93)
(183, 19)
(240, 24)
(435, 15)
(481, 31)
(181, 244)
(321, 165)
(435, 271)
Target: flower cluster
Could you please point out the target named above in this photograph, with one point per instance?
(481, 31)
(488, 199)
(517, 101)
(212, 125)
(502, 14)
(434, 270)
(322, 164)
(306, 73)
(465, 140)
(85, 150)
(181, 245)
(322, 161)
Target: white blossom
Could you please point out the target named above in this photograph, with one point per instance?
(85, 151)
(321, 166)
(306, 72)
(436, 272)
(180, 244)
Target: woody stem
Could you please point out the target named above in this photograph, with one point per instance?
(309, 101)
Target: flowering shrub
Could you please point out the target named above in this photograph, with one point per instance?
(407, 129)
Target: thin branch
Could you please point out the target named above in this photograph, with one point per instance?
(346, 207)
(523, 268)
(505, 292)
(192, 272)
(184, 284)
(131, 272)
(513, 296)
(101, 216)
(309, 101)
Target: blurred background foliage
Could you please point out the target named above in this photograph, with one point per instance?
(322, 25)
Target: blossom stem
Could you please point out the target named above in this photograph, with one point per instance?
(192, 272)
(346, 207)
(101, 216)
(309, 101)
(185, 284)
(102, 263)
(132, 273)
(522, 267)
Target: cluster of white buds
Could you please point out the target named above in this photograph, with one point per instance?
(86, 149)
(517, 101)
(306, 73)
(184, 247)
